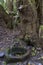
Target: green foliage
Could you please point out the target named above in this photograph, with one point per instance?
(33, 51)
(41, 27)
(2, 2)
(32, 1)
(14, 5)
(41, 31)
(4, 63)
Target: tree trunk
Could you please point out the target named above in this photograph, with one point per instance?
(28, 16)
(41, 10)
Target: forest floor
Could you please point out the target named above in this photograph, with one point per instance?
(7, 39)
(7, 36)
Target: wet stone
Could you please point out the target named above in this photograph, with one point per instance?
(34, 63)
(2, 54)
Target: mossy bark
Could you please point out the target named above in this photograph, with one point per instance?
(28, 16)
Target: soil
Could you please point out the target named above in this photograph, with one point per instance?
(7, 37)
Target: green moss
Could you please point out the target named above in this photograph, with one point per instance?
(41, 27)
(4, 63)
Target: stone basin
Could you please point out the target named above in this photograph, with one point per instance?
(17, 54)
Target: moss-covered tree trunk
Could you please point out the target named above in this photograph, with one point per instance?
(28, 16)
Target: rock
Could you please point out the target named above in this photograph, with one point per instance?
(34, 63)
(2, 54)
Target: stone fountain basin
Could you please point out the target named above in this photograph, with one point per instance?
(17, 54)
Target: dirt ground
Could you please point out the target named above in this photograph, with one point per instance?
(7, 39)
(7, 36)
